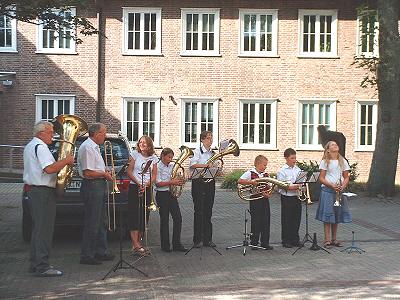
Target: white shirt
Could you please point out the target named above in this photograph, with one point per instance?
(247, 175)
(89, 157)
(333, 170)
(34, 165)
(164, 173)
(288, 174)
(140, 162)
(200, 158)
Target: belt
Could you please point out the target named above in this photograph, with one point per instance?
(93, 179)
(41, 186)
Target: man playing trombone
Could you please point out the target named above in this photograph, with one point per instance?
(93, 192)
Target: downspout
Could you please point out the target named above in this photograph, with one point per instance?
(100, 101)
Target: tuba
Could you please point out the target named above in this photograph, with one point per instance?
(249, 192)
(178, 172)
(231, 148)
(69, 127)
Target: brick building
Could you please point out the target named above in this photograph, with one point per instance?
(265, 73)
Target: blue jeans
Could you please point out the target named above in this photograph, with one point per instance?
(94, 237)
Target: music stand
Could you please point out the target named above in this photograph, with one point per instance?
(204, 174)
(304, 178)
(120, 264)
(246, 238)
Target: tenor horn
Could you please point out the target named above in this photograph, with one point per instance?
(178, 172)
(69, 127)
(250, 192)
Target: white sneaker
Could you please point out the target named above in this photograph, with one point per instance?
(51, 272)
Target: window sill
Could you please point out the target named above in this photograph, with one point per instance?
(201, 54)
(257, 147)
(366, 56)
(142, 54)
(317, 56)
(363, 150)
(248, 55)
(56, 53)
(309, 149)
(8, 51)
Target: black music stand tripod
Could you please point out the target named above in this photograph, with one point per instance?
(304, 178)
(246, 237)
(203, 174)
(122, 264)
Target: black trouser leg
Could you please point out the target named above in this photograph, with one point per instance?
(177, 221)
(255, 209)
(291, 206)
(265, 223)
(198, 198)
(164, 203)
(208, 206)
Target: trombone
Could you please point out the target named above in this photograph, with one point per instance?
(109, 161)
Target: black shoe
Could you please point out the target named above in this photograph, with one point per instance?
(166, 250)
(104, 257)
(197, 245)
(180, 248)
(267, 247)
(287, 245)
(89, 261)
(209, 244)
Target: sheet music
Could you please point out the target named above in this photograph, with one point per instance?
(223, 144)
(209, 173)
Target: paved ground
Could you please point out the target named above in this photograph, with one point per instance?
(204, 274)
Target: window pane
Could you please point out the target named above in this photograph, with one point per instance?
(129, 111)
(135, 131)
(369, 114)
(210, 112)
(129, 131)
(251, 133)
(261, 113)
(130, 21)
(145, 111)
(67, 106)
(245, 113)
(152, 111)
(136, 111)
(187, 133)
(369, 135)
(245, 133)
(261, 134)
(252, 112)
(187, 112)
(51, 109)
(60, 107)
(362, 135)
(44, 109)
(194, 133)
(363, 114)
(194, 112)
(204, 112)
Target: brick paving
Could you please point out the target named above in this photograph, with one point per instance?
(203, 273)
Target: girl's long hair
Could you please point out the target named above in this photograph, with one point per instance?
(150, 145)
(327, 156)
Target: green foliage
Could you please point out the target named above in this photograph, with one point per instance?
(54, 14)
(230, 179)
(313, 166)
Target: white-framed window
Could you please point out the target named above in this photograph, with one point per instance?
(200, 31)
(198, 114)
(317, 33)
(8, 34)
(367, 118)
(51, 41)
(311, 114)
(142, 31)
(367, 34)
(141, 116)
(49, 106)
(257, 123)
(258, 32)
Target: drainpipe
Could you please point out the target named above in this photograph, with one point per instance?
(100, 99)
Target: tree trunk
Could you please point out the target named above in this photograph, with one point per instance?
(384, 162)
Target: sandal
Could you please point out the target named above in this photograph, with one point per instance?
(139, 251)
(336, 243)
(327, 244)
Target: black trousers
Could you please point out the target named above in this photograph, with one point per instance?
(169, 205)
(260, 221)
(290, 219)
(203, 194)
(136, 207)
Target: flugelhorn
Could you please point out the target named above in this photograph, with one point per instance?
(68, 127)
(178, 172)
(338, 195)
(250, 192)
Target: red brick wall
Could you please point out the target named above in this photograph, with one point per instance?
(228, 77)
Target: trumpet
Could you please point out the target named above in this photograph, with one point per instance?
(338, 195)
(109, 162)
(250, 192)
(304, 194)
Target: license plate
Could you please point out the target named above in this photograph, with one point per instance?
(75, 184)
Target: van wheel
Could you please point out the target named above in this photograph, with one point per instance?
(26, 226)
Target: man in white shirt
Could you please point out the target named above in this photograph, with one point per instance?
(40, 174)
(92, 169)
